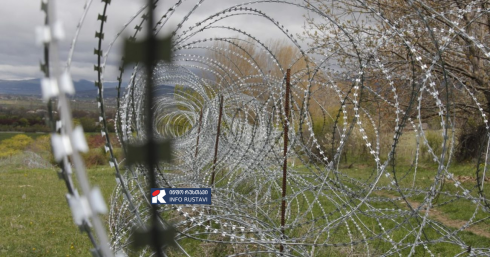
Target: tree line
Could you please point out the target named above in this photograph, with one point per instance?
(18, 119)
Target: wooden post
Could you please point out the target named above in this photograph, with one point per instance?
(217, 139)
(198, 133)
(285, 163)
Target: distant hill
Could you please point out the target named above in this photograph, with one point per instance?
(112, 92)
(83, 88)
(20, 87)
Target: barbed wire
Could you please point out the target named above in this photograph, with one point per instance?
(233, 128)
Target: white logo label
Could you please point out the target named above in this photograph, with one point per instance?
(158, 196)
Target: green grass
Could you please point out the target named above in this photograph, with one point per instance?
(450, 214)
(40, 223)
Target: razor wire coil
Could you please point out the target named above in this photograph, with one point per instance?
(324, 199)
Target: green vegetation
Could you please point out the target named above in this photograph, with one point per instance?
(34, 216)
(449, 212)
(7, 135)
(14, 145)
(35, 219)
(30, 115)
(38, 222)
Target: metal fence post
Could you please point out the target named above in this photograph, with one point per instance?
(285, 163)
(198, 132)
(217, 139)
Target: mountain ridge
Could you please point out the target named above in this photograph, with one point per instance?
(83, 88)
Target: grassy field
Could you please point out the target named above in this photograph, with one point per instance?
(35, 219)
(448, 212)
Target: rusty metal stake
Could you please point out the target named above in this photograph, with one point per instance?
(217, 139)
(285, 164)
(198, 133)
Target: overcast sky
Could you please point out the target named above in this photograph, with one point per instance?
(20, 56)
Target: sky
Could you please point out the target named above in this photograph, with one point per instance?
(20, 56)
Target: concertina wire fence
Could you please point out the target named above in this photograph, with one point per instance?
(268, 115)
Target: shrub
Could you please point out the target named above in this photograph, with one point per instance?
(470, 141)
(14, 145)
(23, 122)
(88, 124)
(96, 157)
(323, 124)
(95, 141)
(20, 141)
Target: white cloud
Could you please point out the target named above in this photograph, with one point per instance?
(20, 57)
(16, 72)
